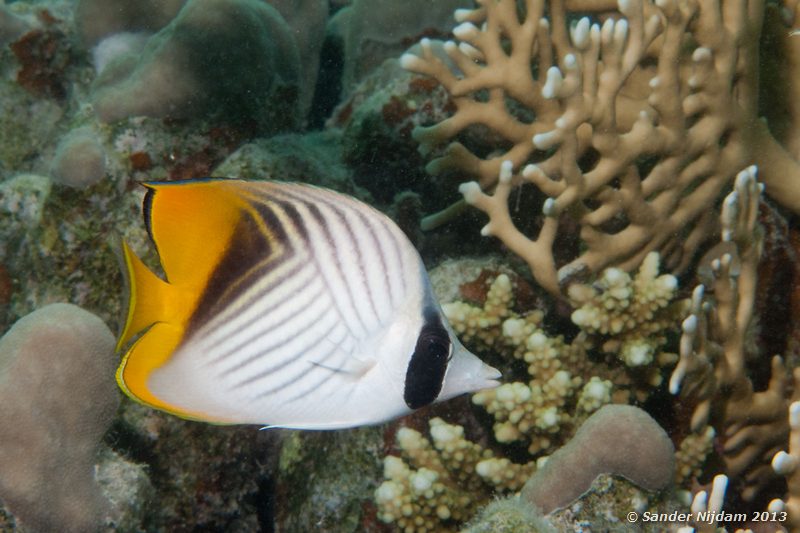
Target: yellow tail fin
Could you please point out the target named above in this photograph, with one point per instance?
(147, 295)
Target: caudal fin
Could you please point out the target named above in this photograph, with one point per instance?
(147, 294)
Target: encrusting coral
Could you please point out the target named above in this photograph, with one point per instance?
(618, 439)
(631, 125)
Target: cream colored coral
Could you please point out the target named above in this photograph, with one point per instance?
(635, 311)
(415, 500)
(437, 483)
(530, 412)
(483, 323)
(594, 394)
(503, 474)
(424, 499)
(534, 411)
(459, 456)
(692, 454)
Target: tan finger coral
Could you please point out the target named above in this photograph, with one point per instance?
(629, 124)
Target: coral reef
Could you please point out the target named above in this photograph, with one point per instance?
(609, 122)
(711, 375)
(600, 138)
(56, 365)
(564, 384)
(565, 387)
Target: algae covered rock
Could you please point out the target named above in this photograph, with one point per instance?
(325, 481)
(509, 515)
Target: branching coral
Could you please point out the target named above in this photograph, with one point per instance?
(711, 375)
(744, 427)
(630, 126)
(635, 311)
(786, 463)
(444, 481)
(622, 315)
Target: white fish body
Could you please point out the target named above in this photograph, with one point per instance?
(308, 309)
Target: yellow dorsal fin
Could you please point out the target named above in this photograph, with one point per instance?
(192, 223)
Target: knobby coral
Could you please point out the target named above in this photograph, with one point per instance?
(631, 125)
(622, 319)
(443, 480)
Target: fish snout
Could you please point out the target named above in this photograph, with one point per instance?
(467, 373)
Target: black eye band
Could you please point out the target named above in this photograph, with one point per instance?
(428, 364)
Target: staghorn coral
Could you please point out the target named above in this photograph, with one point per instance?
(711, 376)
(785, 463)
(629, 124)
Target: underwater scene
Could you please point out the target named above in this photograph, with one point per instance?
(399, 266)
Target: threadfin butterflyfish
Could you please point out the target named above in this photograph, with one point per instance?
(284, 305)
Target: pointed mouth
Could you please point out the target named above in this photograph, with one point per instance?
(490, 377)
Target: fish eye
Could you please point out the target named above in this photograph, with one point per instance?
(435, 342)
(428, 364)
